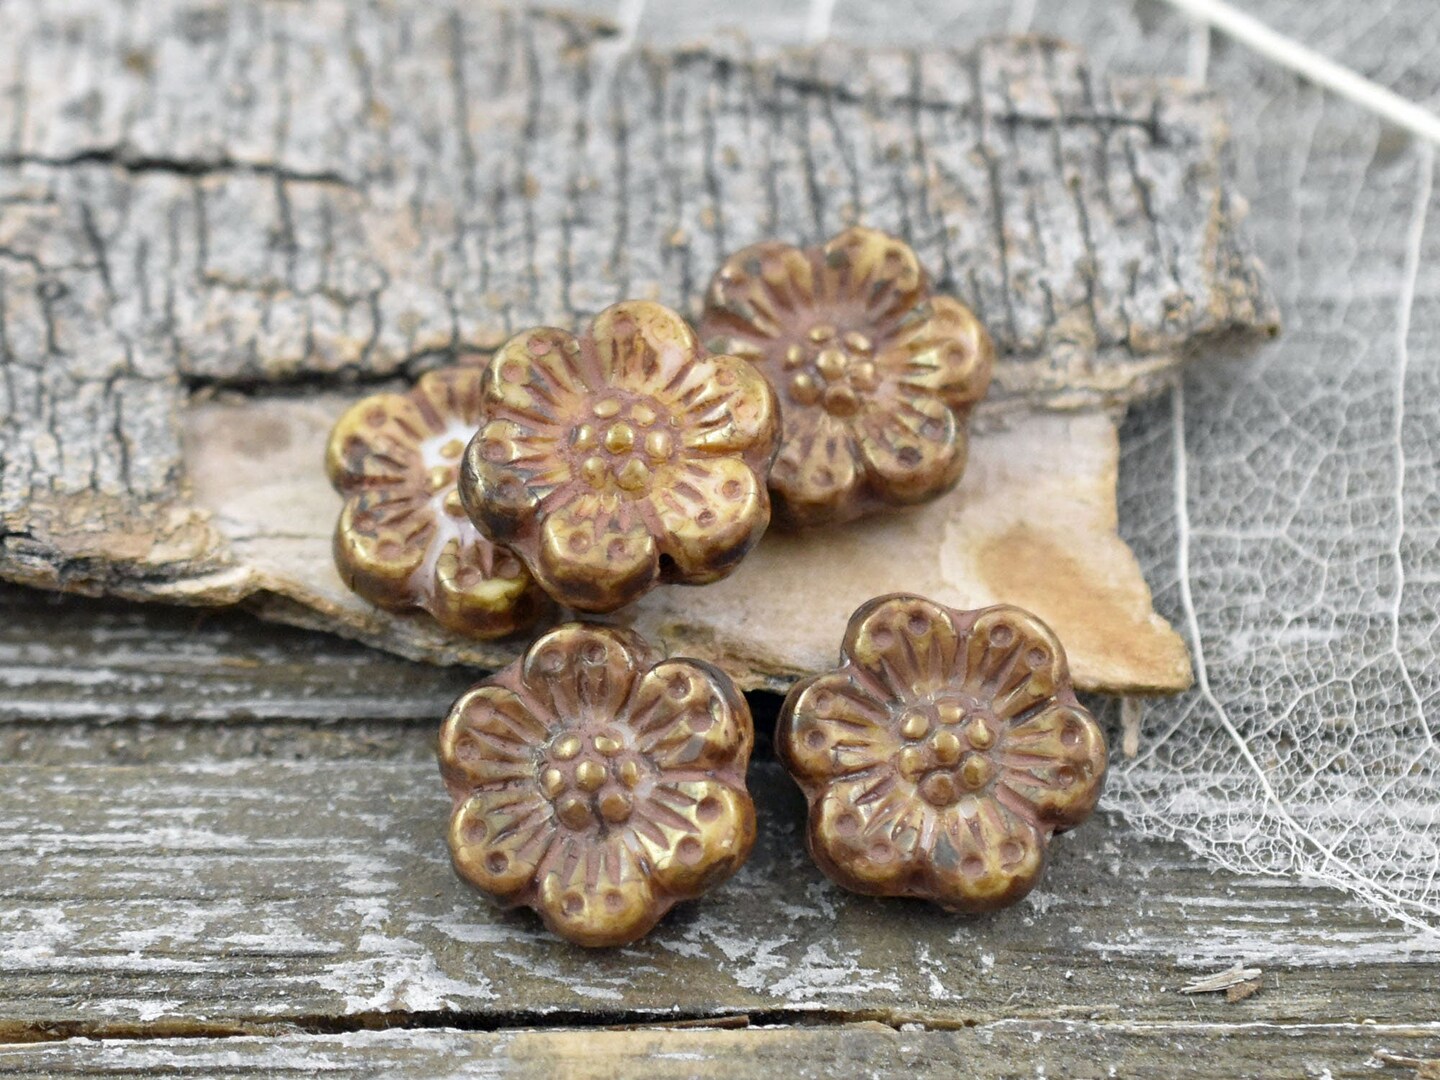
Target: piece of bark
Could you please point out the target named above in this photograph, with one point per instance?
(242, 194)
(1032, 523)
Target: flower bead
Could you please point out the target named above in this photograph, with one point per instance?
(599, 784)
(403, 540)
(621, 458)
(876, 377)
(942, 754)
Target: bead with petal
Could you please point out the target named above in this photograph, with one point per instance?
(622, 458)
(942, 754)
(876, 376)
(403, 540)
(597, 783)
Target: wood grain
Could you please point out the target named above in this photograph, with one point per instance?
(183, 879)
(1076, 1049)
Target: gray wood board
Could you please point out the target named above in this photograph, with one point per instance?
(1075, 1050)
(182, 878)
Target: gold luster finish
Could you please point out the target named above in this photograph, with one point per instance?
(877, 377)
(598, 783)
(403, 540)
(967, 723)
(639, 458)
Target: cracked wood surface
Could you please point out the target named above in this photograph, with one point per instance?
(1074, 1049)
(238, 195)
(173, 878)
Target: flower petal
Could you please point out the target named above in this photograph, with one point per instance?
(503, 477)
(755, 295)
(537, 379)
(875, 268)
(711, 512)
(583, 670)
(380, 545)
(452, 396)
(688, 716)
(499, 836)
(617, 908)
(642, 346)
(867, 835)
(834, 725)
(814, 476)
(984, 857)
(947, 353)
(1055, 763)
(1013, 659)
(912, 447)
(490, 737)
(375, 443)
(592, 560)
(729, 407)
(907, 644)
(695, 834)
(480, 590)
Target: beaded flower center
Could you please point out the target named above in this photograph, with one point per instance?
(947, 748)
(831, 369)
(590, 778)
(622, 443)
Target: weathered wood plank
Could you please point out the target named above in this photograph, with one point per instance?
(1077, 1050)
(75, 658)
(276, 875)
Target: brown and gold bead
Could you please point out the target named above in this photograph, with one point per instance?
(622, 458)
(403, 539)
(876, 376)
(598, 783)
(942, 755)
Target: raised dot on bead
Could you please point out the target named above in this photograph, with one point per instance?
(831, 363)
(620, 438)
(552, 781)
(864, 375)
(615, 806)
(949, 712)
(574, 811)
(633, 476)
(841, 401)
(947, 748)
(643, 414)
(659, 445)
(567, 747)
(629, 773)
(607, 745)
(821, 333)
(452, 449)
(857, 342)
(606, 408)
(974, 772)
(939, 789)
(911, 762)
(583, 438)
(980, 735)
(794, 356)
(804, 388)
(453, 506)
(594, 470)
(915, 725)
(590, 776)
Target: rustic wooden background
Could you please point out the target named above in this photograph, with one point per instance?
(223, 851)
